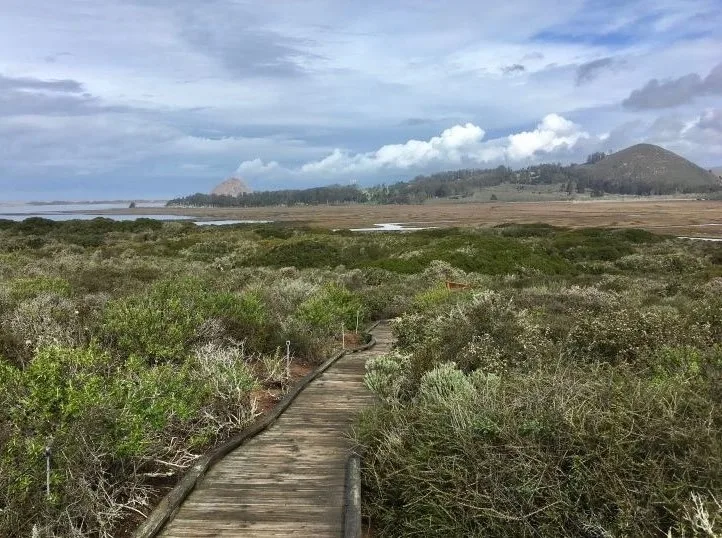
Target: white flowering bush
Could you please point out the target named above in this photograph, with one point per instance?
(676, 262)
(386, 376)
(410, 330)
(445, 386)
(47, 319)
(628, 335)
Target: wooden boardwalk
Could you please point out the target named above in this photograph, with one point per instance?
(289, 479)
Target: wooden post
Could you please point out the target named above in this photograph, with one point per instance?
(47, 471)
(358, 312)
(352, 508)
(343, 337)
(288, 359)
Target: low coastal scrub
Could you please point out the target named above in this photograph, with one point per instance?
(562, 452)
(494, 422)
(131, 348)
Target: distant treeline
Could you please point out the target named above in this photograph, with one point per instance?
(332, 194)
(457, 183)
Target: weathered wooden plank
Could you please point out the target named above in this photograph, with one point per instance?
(289, 479)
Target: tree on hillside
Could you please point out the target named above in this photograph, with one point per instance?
(595, 157)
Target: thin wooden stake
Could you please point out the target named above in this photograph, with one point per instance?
(288, 359)
(47, 470)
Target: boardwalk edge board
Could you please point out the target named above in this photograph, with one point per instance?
(169, 506)
(352, 501)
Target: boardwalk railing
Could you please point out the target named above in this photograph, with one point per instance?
(169, 506)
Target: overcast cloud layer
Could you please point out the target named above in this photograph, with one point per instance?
(156, 98)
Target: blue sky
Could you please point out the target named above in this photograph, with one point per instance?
(156, 98)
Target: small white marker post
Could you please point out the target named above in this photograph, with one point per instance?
(343, 337)
(48, 453)
(358, 312)
(288, 359)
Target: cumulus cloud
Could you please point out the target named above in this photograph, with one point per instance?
(456, 146)
(451, 146)
(552, 134)
(673, 92)
(257, 167)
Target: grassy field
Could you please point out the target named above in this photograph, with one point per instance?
(583, 363)
(668, 216)
(554, 192)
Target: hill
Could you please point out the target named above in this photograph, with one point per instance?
(717, 171)
(233, 186)
(649, 166)
(642, 170)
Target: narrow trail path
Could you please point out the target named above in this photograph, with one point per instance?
(289, 479)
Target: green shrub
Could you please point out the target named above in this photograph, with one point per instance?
(432, 298)
(27, 288)
(245, 316)
(101, 418)
(686, 363)
(209, 251)
(538, 229)
(298, 253)
(96, 278)
(557, 453)
(486, 333)
(330, 308)
(61, 398)
(160, 325)
(273, 231)
(164, 323)
(600, 243)
(628, 335)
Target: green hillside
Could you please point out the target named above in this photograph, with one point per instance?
(651, 165)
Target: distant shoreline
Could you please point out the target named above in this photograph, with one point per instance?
(87, 202)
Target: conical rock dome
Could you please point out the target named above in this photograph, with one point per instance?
(233, 186)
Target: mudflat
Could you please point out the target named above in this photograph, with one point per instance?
(699, 218)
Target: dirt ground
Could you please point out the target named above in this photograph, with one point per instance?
(698, 218)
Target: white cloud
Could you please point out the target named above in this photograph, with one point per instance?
(257, 167)
(553, 133)
(452, 146)
(456, 146)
